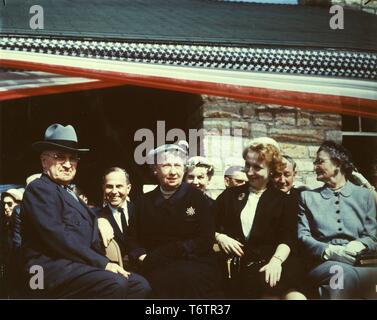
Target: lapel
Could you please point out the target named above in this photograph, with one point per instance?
(69, 200)
(79, 206)
(239, 202)
(265, 208)
(109, 215)
(130, 208)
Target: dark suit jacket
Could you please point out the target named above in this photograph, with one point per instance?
(16, 227)
(119, 236)
(275, 220)
(59, 233)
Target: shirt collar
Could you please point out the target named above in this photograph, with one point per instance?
(346, 191)
(114, 210)
(176, 197)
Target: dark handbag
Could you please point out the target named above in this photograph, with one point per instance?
(233, 266)
(366, 258)
(236, 264)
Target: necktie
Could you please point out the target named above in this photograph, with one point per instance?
(71, 192)
(123, 219)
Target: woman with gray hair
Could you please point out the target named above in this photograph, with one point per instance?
(171, 234)
(337, 222)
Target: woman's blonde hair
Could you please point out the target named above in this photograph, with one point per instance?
(270, 154)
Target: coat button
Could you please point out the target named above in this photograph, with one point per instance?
(340, 229)
(339, 221)
(337, 211)
(336, 202)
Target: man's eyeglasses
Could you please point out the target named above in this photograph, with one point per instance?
(60, 158)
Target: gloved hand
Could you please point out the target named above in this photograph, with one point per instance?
(229, 245)
(338, 253)
(354, 247)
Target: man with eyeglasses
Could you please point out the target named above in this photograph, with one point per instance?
(60, 233)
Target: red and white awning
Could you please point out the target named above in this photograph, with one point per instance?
(328, 94)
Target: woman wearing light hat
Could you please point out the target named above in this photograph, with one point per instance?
(199, 174)
(171, 234)
(10, 199)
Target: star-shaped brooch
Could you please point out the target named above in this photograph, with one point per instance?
(241, 196)
(190, 211)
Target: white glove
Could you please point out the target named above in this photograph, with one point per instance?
(338, 253)
(354, 247)
(229, 245)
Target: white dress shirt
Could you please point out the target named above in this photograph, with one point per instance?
(248, 212)
(117, 216)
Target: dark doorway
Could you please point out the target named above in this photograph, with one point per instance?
(360, 138)
(364, 153)
(105, 120)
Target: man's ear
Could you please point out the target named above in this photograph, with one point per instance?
(129, 186)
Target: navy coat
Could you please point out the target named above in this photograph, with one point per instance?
(59, 233)
(275, 220)
(177, 235)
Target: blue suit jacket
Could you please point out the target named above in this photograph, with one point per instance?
(59, 233)
(326, 217)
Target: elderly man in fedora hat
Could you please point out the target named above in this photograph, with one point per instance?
(60, 233)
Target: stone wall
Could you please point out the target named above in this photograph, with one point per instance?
(370, 7)
(299, 133)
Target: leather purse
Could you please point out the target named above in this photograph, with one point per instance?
(366, 258)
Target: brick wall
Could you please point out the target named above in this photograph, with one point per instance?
(299, 133)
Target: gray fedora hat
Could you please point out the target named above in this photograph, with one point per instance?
(59, 137)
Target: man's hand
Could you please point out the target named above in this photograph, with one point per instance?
(106, 231)
(230, 245)
(113, 267)
(272, 271)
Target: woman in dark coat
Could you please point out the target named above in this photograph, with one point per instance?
(172, 232)
(257, 224)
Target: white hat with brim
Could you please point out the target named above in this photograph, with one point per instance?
(180, 148)
(14, 193)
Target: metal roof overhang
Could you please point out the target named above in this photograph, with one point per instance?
(265, 53)
(328, 94)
